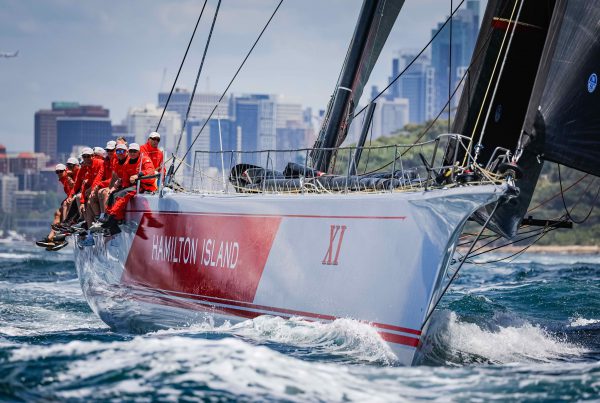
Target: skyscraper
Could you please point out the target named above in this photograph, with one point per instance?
(416, 85)
(390, 116)
(256, 116)
(465, 26)
(201, 108)
(141, 121)
(47, 139)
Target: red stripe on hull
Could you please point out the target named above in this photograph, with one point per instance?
(274, 310)
(208, 307)
(290, 312)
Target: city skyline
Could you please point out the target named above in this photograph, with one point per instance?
(287, 47)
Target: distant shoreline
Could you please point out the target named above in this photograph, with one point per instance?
(561, 249)
(566, 249)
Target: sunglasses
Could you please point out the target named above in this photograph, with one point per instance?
(70, 165)
(86, 156)
(133, 151)
(155, 139)
(58, 172)
(120, 151)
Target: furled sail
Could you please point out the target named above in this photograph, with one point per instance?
(566, 126)
(375, 22)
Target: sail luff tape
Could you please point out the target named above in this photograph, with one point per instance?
(345, 89)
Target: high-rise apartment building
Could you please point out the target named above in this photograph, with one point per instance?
(390, 116)
(201, 108)
(465, 26)
(256, 116)
(141, 121)
(68, 125)
(416, 85)
(9, 184)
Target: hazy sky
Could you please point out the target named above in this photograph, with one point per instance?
(115, 52)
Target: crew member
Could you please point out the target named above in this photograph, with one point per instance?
(101, 196)
(88, 178)
(128, 171)
(50, 243)
(150, 149)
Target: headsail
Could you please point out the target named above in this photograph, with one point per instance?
(566, 126)
(374, 24)
(503, 88)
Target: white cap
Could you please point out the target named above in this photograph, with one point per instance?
(60, 167)
(121, 146)
(100, 151)
(110, 145)
(73, 161)
(87, 151)
(155, 135)
(134, 146)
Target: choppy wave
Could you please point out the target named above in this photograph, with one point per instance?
(528, 330)
(459, 342)
(176, 367)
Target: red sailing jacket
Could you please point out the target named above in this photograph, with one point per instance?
(67, 183)
(93, 176)
(142, 166)
(80, 176)
(109, 164)
(154, 153)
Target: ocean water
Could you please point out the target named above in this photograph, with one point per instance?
(527, 330)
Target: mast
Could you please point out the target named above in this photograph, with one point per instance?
(373, 27)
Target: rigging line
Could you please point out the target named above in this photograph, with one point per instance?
(181, 66)
(423, 133)
(230, 83)
(450, 66)
(537, 232)
(516, 254)
(370, 143)
(568, 213)
(545, 229)
(187, 113)
(411, 62)
(489, 111)
(558, 194)
(434, 120)
(487, 90)
(460, 265)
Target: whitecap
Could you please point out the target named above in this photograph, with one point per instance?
(519, 341)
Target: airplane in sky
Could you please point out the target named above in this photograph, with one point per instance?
(6, 54)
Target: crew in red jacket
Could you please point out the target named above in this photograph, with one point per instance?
(101, 196)
(151, 150)
(67, 182)
(128, 172)
(93, 177)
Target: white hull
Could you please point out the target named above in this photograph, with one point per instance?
(379, 258)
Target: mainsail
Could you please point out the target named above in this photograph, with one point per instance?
(374, 24)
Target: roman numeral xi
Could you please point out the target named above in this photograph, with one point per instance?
(336, 237)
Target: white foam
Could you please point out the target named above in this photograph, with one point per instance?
(522, 342)
(16, 256)
(342, 337)
(579, 322)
